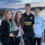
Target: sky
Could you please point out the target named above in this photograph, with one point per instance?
(21, 3)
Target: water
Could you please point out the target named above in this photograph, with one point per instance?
(42, 12)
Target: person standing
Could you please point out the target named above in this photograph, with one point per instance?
(5, 27)
(18, 24)
(28, 25)
(39, 27)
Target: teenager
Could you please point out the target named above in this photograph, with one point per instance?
(18, 25)
(39, 26)
(28, 25)
(5, 27)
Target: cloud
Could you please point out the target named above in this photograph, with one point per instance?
(7, 2)
(18, 3)
(10, 1)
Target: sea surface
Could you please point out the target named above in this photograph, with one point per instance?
(42, 12)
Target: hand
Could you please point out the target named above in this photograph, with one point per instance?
(11, 35)
(34, 28)
(34, 31)
(22, 31)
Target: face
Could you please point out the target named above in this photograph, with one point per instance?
(37, 11)
(18, 15)
(9, 15)
(27, 8)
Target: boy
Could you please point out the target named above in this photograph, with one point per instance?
(39, 26)
(28, 25)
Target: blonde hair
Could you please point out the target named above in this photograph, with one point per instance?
(6, 11)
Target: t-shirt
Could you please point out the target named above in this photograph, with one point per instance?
(10, 26)
(28, 25)
(15, 28)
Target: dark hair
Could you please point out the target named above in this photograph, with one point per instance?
(21, 20)
(36, 8)
(27, 4)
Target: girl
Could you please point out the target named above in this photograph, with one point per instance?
(18, 25)
(5, 28)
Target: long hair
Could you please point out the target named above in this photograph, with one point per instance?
(21, 20)
(5, 15)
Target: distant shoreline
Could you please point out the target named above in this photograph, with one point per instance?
(32, 9)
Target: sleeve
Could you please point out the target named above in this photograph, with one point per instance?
(42, 25)
(33, 20)
(13, 26)
(2, 27)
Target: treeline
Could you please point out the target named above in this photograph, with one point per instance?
(32, 9)
(2, 11)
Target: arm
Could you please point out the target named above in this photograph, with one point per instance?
(22, 31)
(33, 28)
(33, 25)
(2, 27)
(13, 26)
(42, 25)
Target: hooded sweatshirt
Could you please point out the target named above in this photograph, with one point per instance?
(39, 26)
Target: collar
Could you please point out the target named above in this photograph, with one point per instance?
(27, 15)
(36, 17)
